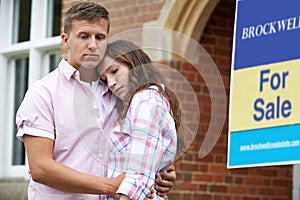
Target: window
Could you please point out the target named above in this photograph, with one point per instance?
(54, 60)
(21, 20)
(29, 49)
(20, 87)
(53, 18)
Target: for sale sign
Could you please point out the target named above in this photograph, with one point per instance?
(264, 116)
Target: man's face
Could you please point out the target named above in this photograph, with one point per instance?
(86, 43)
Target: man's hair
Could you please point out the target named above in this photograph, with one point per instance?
(85, 11)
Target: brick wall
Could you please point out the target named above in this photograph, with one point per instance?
(206, 178)
(124, 14)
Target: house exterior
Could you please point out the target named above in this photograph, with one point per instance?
(30, 47)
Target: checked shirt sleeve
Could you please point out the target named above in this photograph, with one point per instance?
(147, 117)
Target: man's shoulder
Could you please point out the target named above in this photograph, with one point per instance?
(63, 71)
(48, 80)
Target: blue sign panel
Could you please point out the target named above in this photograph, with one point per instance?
(266, 32)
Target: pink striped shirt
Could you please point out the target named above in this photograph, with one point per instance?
(63, 108)
(144, 145)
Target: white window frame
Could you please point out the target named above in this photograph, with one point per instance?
(37, 49)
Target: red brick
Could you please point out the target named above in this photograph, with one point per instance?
(252, 180)
(203, 177)
(237, 190)
(186, 186)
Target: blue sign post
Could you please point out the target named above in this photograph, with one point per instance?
(264, 116)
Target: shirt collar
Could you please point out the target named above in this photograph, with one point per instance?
(104, 86)
(67, 69)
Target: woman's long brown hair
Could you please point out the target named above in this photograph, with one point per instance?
(142, 75)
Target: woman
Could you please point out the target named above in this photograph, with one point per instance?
(143, 140)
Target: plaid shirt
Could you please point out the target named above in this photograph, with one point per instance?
(144, 145)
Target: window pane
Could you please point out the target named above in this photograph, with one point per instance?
(22, 15)
(21, 85)
(54, 60)
(54, 18)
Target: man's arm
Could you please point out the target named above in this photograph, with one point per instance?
(47, 171)
(164, 184)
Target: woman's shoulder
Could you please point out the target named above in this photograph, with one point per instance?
(151, 93)
(152, 96)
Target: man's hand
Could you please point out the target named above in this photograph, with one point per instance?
(167, 181)
(150, 195)
(124, 197)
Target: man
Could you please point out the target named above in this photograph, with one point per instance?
(61, 164)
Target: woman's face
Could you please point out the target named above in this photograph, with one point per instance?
(116, 76)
